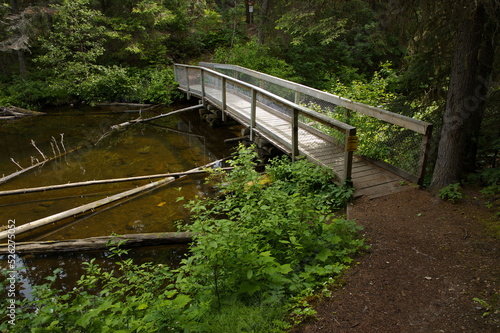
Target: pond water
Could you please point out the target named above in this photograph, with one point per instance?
(171, 144)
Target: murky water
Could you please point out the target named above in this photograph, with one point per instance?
(171, 144)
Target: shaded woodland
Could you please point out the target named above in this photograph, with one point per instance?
(432, 60)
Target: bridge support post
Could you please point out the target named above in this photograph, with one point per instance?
(295, 134)
(253, 114)
(188, 90)
(424, 154)
(202, 83)
(348, 155)
(224, 100)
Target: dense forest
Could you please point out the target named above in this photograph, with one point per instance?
(433, 60)
(270, 244)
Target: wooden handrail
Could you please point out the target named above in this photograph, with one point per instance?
(310, 113)
(415, 125)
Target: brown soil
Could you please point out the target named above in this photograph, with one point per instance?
(428, 259)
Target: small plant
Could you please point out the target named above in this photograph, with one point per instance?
(452, 192)
(491, 308)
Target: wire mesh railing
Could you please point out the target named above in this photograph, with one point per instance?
(391, 140)
(291, 126)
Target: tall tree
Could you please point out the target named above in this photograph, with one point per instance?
(472, 66)
(76, 40)
(22, 26)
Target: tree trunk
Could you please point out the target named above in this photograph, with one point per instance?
(262, 26)
(485, 68)
(23, 71)
(462, 105)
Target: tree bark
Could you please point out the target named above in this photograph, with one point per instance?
(462, 105)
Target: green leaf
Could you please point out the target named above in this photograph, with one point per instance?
(323, 255)
(142, 306)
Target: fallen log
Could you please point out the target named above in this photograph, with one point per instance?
(101, 181)
(237, 139)
(39, 164)
(124, 104)
(19, 112)
(82, 209)
(140, 120)
(98, 243)
(93, 205)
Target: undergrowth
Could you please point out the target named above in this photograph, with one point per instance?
(260, 248)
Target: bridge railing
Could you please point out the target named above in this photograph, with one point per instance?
(393, 141)
(215, 87)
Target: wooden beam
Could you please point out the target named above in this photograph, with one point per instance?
(100, 243)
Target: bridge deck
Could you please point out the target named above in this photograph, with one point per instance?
(368, 179)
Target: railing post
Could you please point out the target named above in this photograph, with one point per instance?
(351, 144)
(202, 82)
(295, 134)
(296, 99)
(223, 99)
(253, 113)
(188, 89)
(424, 154)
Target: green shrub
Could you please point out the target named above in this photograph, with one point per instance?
(452, 192)
(254, 56)
(272, 238)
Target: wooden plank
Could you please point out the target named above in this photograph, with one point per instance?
(376, 179)
(359, 174)
(381, 190)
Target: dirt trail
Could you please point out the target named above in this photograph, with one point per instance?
(428, 260)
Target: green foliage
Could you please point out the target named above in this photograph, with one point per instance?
(270, 239)
(75, 42)
(452, 192)
(135, 298)
(260, 247)
(149, 85)
(334, 40)
(155, 84)
(241, 317)
(254, 56)
(377, 139)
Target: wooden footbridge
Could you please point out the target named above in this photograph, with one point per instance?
(304, 121)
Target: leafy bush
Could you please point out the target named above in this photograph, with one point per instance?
(254, 56)
(451, 192)
(267, 238)
(259, 248)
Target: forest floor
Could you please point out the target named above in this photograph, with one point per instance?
(428, 259)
